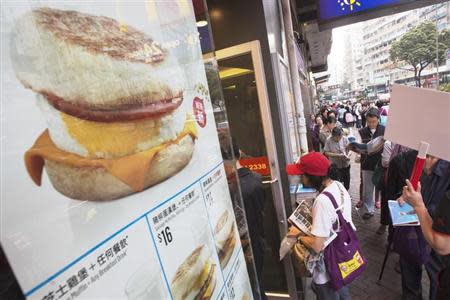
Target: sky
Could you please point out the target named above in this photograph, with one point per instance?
(335, 59)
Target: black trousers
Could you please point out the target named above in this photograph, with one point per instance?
(443, 291)
(344, 176)
(412, 278)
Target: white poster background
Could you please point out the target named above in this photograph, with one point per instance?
(416, 115)
(43, 231)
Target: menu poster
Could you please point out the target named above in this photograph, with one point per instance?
(113, 184)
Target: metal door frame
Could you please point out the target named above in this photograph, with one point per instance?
(254, 49)
(277, 63)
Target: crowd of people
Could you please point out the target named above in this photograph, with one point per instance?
(346, 116)
(384, 176)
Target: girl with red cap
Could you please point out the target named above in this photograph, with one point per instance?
(315, 170)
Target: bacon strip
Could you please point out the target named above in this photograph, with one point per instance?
(126, 112)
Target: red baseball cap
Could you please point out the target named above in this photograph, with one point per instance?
(313, 163)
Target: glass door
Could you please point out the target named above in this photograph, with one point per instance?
(250, 123)
(288, 112)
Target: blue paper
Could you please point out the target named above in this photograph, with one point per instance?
(402, 215)
(298, 188)
(302, 189)
(293, 188)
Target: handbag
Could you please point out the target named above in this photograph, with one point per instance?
(299, 251)
(343, 259)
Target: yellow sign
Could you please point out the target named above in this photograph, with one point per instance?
(349, 266)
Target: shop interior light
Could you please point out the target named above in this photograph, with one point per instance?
(231, 87)
(216, 14)
(202, 23)
(226, 73)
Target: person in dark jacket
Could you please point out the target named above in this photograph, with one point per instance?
(364, 108)
(315, 134)
(436, 231)
(254, 203)
(369, 162)
(435, 181)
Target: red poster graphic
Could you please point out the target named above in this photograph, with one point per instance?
(199, 111)
(257, 164)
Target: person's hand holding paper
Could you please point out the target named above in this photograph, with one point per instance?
(411, 196)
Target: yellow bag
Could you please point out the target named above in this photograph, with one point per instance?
(299, 251)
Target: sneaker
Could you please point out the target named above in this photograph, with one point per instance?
(359, 204)
(381, 229)
(367, 216)
(378, 204)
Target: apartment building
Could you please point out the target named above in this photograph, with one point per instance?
(372, 67)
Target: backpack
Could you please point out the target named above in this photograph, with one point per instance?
(348, 117)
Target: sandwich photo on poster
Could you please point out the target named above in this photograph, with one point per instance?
(225, 237)
(109, 139)
(195, 278)
(223, 222)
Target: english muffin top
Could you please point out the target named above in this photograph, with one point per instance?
(99, 34)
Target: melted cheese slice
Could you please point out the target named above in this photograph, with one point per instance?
(204, 276)
(209, 292)
(211, 286)
(130, 169)
(194, 292)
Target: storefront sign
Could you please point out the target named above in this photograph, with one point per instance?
(113, 183)
(257, 164)
(333, 13)
(331, 9)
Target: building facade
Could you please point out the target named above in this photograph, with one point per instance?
(372, 67)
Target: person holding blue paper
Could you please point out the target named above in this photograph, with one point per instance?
(436, 231)
(435, 181)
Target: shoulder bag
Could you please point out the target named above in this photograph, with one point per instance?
(343, 258)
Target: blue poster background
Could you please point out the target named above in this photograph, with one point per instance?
(330, 9)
